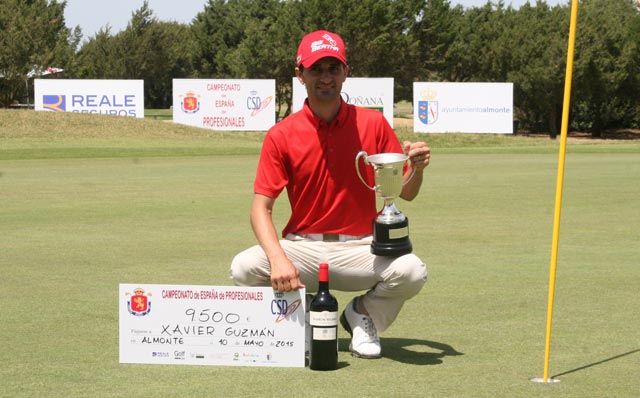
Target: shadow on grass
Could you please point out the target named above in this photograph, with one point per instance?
(596, 363)
(411, 351)
(341, 364)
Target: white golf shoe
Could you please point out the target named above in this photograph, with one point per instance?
(365, 342)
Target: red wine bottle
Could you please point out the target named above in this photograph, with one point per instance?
(323, 319)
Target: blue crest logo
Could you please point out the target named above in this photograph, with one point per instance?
(428, 111)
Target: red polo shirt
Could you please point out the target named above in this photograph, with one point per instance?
(316, 163)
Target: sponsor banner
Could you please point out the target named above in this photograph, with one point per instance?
(228, 105)
(106, 97)
(211, 325)
(367, 92)
(463, 108)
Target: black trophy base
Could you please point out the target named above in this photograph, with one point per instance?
(391, 240)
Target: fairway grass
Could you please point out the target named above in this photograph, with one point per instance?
(85, 207)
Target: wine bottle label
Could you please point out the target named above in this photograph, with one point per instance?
(324, 318)
(325, 333)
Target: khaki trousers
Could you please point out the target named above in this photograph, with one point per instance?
(389, 281)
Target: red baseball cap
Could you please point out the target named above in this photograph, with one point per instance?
(320, 44)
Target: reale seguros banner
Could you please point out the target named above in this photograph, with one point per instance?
(106, 97)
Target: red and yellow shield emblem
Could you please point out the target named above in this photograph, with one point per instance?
(190, 103)
(139, 303)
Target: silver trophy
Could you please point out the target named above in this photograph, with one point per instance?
(391, 227)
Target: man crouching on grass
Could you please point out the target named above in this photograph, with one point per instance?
(311, 153)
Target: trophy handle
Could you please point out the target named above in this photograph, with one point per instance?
(358, 156)
(413, 172)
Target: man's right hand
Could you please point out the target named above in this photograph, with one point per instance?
(285, 277)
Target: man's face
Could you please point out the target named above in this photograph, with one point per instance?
(323, 80)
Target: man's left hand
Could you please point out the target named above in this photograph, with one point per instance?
(419, 154)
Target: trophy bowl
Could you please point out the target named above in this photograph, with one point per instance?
(391, 227)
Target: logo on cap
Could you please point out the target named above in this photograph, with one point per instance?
(319, 44)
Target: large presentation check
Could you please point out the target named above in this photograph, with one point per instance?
(211, 325)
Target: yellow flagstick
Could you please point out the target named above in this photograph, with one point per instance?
(559, 185)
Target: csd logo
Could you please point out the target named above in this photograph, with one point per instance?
(279, 307)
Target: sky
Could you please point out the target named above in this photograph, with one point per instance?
(91, 15)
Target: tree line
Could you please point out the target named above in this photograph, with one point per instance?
(409, 40)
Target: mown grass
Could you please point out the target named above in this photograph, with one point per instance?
(43, 135)
(88, 202)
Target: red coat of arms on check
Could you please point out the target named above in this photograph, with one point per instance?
(139, 303)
